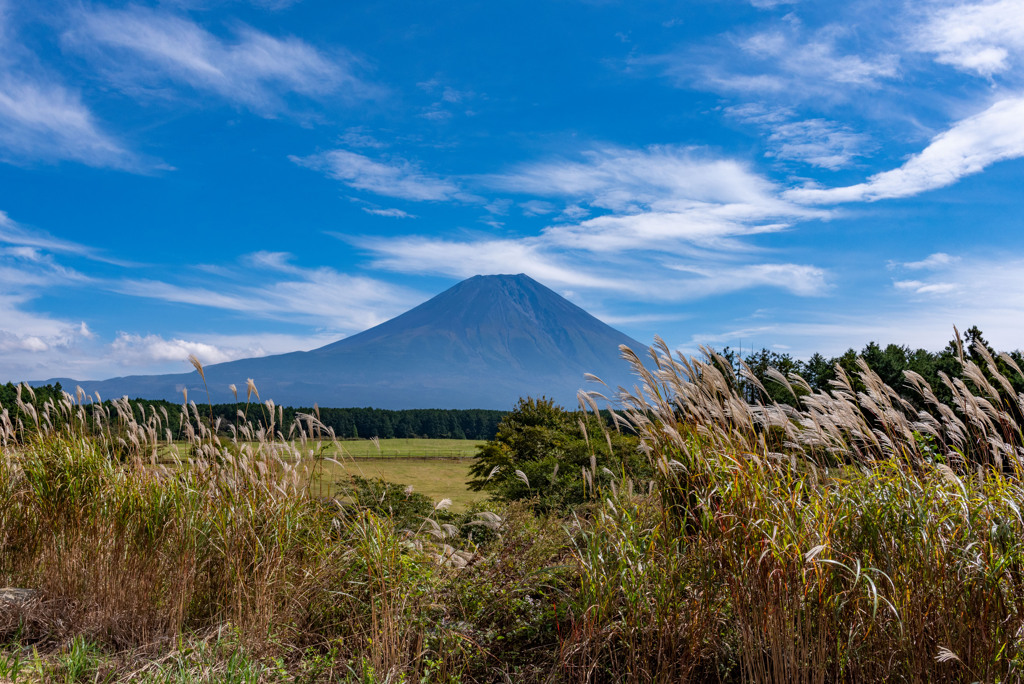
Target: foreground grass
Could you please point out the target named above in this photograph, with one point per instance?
(780, 575)
(854, 539)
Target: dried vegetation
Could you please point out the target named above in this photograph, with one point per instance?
(852, 536)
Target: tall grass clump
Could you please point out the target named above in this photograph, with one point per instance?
(849, 538)
(227, 532)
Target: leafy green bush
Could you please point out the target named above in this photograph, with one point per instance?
(541, 451)
(405, 508)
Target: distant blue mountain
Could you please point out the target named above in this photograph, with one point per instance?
(480, 344)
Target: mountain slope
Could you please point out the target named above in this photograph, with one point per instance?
(480, 344)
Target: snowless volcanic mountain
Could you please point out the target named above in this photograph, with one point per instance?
(481, 344)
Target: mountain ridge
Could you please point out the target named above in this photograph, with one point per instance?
(482, 343)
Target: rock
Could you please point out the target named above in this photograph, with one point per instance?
(17, 597)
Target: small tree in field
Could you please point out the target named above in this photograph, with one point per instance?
(540, 450)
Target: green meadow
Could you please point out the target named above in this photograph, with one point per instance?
(406, 448)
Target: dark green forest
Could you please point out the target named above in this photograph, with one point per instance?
(347, 423)
(890, 362)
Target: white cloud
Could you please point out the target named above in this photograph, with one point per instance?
(143, 47)
(26, 240)
(139, 350)
(785, 62)
(659, 198)
(984, 37)
(918, 287)
(463, 259)
(26, 267)
(987, 291)
(272, 5)
(798, 279)
(23, 330)
(394, 178)
(770, 4)
(132, 350)
(818, 142)
(968, 147)
(638, 278)
(357, 137)
(932, 261)
(707, 226)
(390, 213)
(35, 345)
(317, 296)
(622, 179)
(536, 207)
(671, 227)
(818, 58)
(43, 120)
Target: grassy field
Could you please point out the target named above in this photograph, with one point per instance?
(437, 479)
(410, 448)
(437, 468)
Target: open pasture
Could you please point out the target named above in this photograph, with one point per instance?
(407, 448)
(436, 479)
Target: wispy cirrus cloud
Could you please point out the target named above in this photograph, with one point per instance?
(29, 338)
(661, 281)
(918, 311)
(18, 236)
(465, 258)
(389, 213)
(620, 179)
(815, 141)
(392, 177)
(27, 264)
(24, 333)
(658, 199)
(932, 261)
(273, 5)
(141, 48)
(679, 215)
(45, 121)
(786, 61)
(966, 148)
(42, 119)
(322, 296)
(35, 345)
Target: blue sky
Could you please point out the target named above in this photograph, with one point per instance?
(231, 178)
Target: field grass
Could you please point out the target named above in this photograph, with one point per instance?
(851, 538)
(436, 468)
(436, 479)
(365, 448)
(410, 448)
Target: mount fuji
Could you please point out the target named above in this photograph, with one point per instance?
(481, 344)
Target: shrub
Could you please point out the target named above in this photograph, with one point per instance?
(541, 451)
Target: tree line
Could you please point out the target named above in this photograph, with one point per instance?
(890, 362)
(347, 423)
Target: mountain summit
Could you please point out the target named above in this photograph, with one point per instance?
(481, 344)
